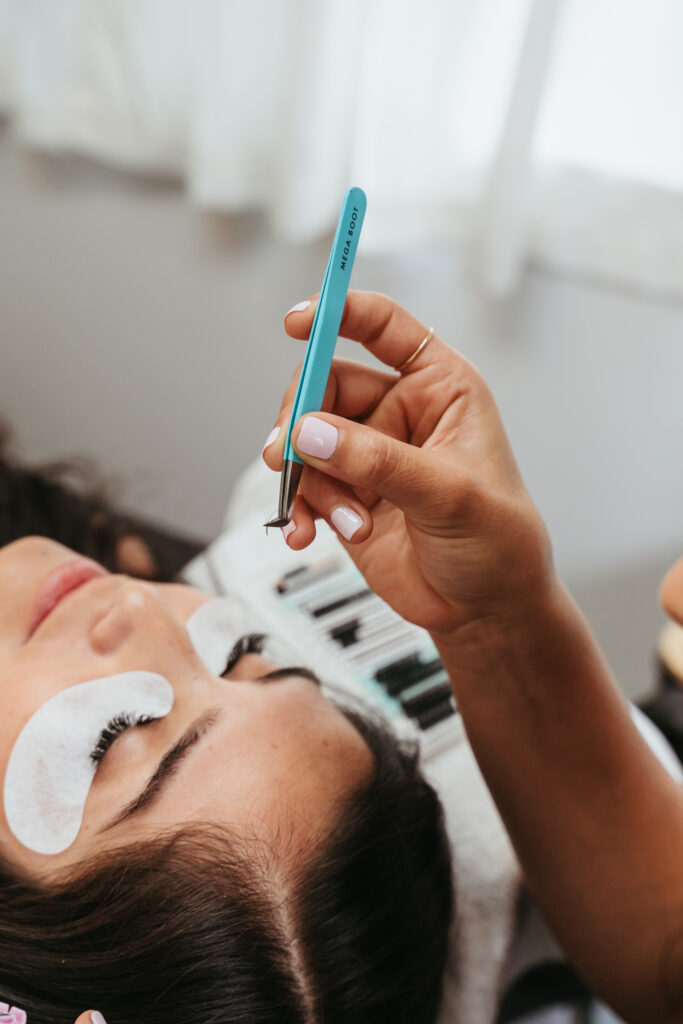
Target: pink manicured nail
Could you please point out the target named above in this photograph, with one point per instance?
(97, 1018)
(345, 521)
(289, 528)
(299, 308)
(271, 437)
(318, 438)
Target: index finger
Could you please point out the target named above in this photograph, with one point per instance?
(383, 327)
(353, 390)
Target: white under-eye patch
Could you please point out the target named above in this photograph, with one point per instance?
(218, 624)
(215, 628)
(50, 769)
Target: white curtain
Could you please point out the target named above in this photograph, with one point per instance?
(518, 130)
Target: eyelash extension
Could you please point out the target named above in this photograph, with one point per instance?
(114, 727)
(250, 643)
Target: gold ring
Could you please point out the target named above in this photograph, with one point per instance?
(423, 343)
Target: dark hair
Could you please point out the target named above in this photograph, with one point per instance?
(68, 501)
(204, 925)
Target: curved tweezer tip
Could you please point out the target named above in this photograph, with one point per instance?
(278, 521)
(289, 483)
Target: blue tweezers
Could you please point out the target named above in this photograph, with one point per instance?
(321, 344)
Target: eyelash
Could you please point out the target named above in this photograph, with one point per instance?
(250, 643)
(113, 729)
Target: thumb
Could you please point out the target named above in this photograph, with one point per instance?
(91, 1017)
(423, 484)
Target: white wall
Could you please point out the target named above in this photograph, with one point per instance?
(149, 336)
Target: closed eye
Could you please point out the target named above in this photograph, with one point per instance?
(253, 643)
(113, 729)
(250, 643)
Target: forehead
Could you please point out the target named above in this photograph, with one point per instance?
(282, 767)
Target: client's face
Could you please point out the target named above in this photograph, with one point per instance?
(266, 757)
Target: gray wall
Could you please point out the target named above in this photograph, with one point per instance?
(148, 335)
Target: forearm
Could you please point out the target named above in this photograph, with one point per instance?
(595, 819)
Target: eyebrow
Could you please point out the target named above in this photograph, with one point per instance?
(167, 767)
(173, 758)
(292, 670)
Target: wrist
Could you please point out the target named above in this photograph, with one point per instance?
(543, 641)
(510, 587)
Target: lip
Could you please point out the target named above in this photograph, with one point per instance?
(60, 582)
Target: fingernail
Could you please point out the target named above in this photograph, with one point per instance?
(299, 308)
(317, 437)
(271, 437)
(97, 1018)
(345, 521)
(289, 528)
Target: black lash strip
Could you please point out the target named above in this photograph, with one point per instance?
(114, 727)
(250, 643)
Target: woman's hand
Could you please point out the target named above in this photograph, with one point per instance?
(445, 530)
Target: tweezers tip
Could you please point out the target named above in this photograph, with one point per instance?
(278, 521)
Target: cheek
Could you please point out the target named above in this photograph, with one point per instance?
(671, 592)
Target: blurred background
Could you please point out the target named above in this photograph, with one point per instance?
(170, 177)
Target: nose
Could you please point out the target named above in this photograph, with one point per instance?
(136, 605)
